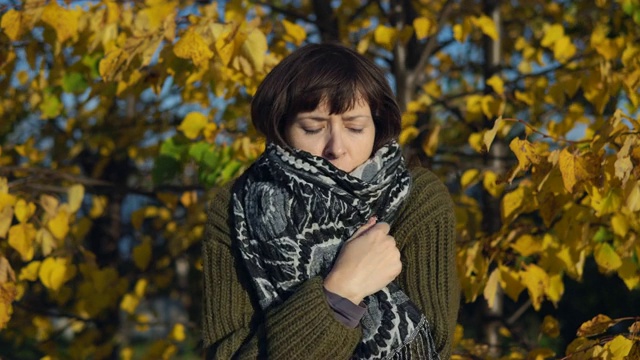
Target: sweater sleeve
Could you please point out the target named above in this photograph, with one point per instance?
(426, 237)
(233, 324)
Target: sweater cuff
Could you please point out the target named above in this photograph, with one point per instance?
(344, 310)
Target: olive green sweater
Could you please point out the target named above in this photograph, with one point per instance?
(303, 326)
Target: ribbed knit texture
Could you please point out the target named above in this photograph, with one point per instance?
(303, 326)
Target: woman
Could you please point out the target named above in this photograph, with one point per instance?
(327, 247)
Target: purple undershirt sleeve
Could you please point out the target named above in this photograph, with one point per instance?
(344, 310)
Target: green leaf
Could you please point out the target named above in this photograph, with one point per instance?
(165, 168)
(603, 235)
(174, 147)
(199, 150)
(230, 169)
(73, 83)
(92, 61)
(51, 106)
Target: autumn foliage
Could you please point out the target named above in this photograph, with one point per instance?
(118, 117)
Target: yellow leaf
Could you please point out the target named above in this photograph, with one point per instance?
(98, 205)
(385, 36)
(64, 21)
(141, 286)
(192, 46)
(469, 177)
(550, 326)
(619, 224)
(295, 33)
(6, 217)
(423, 27)
(474, 104)
(527, 245)
(6, 199)
(129, 303)
(537, 282)
(142, 255)
(633, 199)
(487, 26)
(526, 97)
(606, 257)
(526, 153)
(540, 354)
(505, 332)
(573, 168)
(551, 35)
(491, 288)
(12, 24)
(476, 141)
(497, 84)
(6, 272)
(408, 134)
(24, 210)
(152, 17)
(8, 294)
(30, 271)
(126, 353)
(46, 241)
(192, 124)
(49, 204)
(605, 204)
(111, 66)
(430, 144)
(54, 272)
(225, 50)
(599, 324)
(254, 48)
(510, 283)
(619, 347)
(564, 49)
(21, 238)
(177, 333)
(556, 288)
(512, 202)
(609, 48)
(490, 182)
(629, 273)
(59, 225)
(458, 334)
(490, 135)
(81, 228)
(76, 195)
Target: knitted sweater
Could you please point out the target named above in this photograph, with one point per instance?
(304, 326)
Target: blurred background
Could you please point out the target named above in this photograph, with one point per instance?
(119, 118)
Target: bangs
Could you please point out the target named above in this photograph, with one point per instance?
(333, 79)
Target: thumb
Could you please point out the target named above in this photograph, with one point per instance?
(370, 223)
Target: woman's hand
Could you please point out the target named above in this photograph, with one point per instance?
(367, 262)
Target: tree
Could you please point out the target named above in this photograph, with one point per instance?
(119, 116)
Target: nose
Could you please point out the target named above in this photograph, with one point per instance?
(335, 147)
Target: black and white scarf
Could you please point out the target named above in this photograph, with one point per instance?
(293, 211)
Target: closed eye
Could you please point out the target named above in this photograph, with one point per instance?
(311, 131)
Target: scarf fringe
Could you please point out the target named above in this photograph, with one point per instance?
(420, 345)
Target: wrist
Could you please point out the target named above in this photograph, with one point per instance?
(333, 284)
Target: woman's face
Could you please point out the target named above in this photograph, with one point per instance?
(346, 139)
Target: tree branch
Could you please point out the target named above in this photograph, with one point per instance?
(98, 186)
(417, 76)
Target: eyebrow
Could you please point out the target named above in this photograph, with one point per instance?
(324, 118)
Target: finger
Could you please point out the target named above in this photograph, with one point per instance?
(370, 223)
(384, 227)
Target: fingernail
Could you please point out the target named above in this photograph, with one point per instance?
(373, 219)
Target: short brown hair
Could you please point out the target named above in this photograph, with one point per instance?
(324, 72)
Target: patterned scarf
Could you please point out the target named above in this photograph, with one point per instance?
(293, 211)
